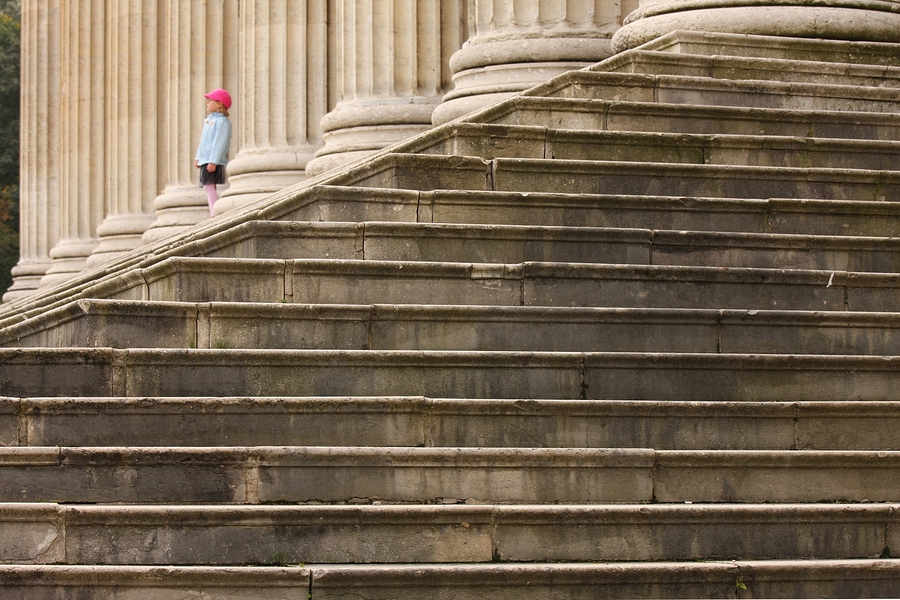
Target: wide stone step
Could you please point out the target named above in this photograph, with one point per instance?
(257, 535)
(253, 475)
(135, 324)
(320, 281)
(154, 583)
(611, 115)
(781, 215)
(520, 141)
(801, 578)
(623, 376)
(431, 172)
(649, 62)
(675, 89)
(776, 47)
(447, 422)
(495, 243)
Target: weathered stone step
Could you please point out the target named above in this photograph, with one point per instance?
(448, 422)
(253, 535)
(675, 89)
(136, 324)
(495, 243)
(648, 62)
(776, 47)
(611, 115)
(52, 582)
(323, 281)
(253, 475)
(521, 141)
(781, 215)
(430, 172)
(28, 372)
(802, 578)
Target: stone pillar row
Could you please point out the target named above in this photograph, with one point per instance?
(81, 161)
(40, 140)
(113, 102)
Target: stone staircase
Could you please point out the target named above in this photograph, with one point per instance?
(633, 333)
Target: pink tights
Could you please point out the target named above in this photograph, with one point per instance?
(212, 195)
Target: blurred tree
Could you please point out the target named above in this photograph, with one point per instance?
(9, 138)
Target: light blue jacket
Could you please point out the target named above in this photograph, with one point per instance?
(215, 140)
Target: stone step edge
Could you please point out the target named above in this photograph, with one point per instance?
(510, 284)
(602, 110)
(107, 534)
(429, 423)
(530, 581)
(694, 148)
(203, 313)
(879, 95)
(490, 167)
(571, 375)
(395, 205)
(360, 232)
(708, 66)
(747, 45)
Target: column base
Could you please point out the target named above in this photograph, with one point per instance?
(255, 174)
(356, 129)
(850, 20)
(117, 236)
(493, 70)
(69, 259)
(27, 277)
(177, 210)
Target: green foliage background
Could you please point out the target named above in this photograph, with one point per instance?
(9, 138)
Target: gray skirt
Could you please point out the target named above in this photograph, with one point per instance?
(217, 177)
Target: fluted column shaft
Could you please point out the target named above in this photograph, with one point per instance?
(82, 162)
(283, 96)
(518, 44)
(40, 136)
(132, 148)
(393, 58)
(865, 20)
(201, 53)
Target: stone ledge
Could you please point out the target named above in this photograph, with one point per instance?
(845, 578)
(794, 70)
(600, 114)
(262, 474)
(220, 535)
(626, 87)
(412, 421)
(669, 580)
(129, 324)
(777, 47)
(155, 583)
(528, 141)
(563, 375)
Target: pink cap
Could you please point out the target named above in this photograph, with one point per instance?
(220, 95)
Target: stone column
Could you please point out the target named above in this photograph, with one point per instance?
(81, 164)
(283, 97)
(201, 53)
(869, 20)
(132, 116)
(392, 61)
(518, 44)
(40, 136)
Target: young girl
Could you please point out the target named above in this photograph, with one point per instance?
(212, 155)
